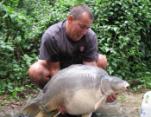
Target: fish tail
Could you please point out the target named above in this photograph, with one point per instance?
(34, 110)
(31, 110)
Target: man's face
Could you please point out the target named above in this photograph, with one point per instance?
(77, 28)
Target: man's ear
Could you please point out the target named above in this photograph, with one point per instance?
(69, 18)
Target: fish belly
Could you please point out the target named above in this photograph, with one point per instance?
(83, 101)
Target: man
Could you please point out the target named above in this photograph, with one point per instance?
(68, 42)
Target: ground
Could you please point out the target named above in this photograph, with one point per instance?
(130, 103)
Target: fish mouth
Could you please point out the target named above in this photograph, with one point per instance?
(126, 85)
(122, 87)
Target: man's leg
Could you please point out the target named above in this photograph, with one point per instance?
(38, 74)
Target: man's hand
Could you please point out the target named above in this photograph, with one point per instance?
(111, 98)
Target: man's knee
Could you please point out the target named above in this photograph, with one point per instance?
(102, 61)
(38, 74)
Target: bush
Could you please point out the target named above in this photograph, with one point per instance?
(123, 29)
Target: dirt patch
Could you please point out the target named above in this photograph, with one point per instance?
(127, 105)
(10, 106)
(129, 102)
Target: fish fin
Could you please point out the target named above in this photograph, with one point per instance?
(98, 104)
(31, 110)
(87, 115)
(54, 113)
(42, 114)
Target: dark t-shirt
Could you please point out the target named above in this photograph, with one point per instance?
(56, 46)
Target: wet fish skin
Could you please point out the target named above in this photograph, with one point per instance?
(78, 89)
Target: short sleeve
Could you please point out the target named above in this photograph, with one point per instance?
(48, 48)
(91, 52)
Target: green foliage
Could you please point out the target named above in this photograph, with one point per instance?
(22, 24)
(123, 28)
(119, 26)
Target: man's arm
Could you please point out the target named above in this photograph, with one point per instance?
(91, 52)
(49, 55)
